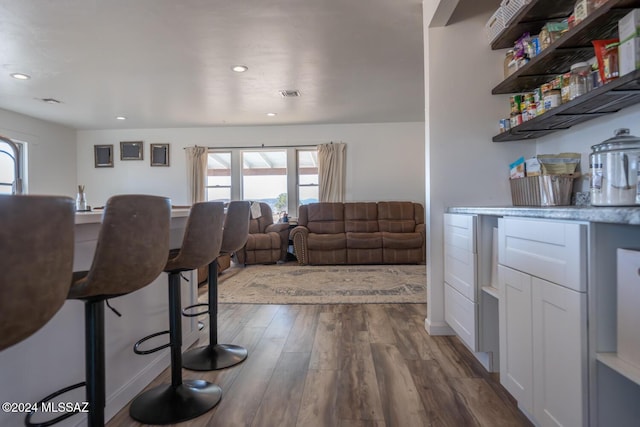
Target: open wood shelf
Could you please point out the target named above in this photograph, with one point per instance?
(607, 99)
(573, 46)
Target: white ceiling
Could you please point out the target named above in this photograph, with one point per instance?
(166, 63)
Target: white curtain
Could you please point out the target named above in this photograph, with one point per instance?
(331, 172)
(196, 173)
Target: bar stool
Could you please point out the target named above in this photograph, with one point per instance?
(36, 262)
(219, 356)
(131, 251)
(183, 400)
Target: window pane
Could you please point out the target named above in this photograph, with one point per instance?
(264, 178)
(307, 176)
(308, 195)
(7, 166)
(219, 176)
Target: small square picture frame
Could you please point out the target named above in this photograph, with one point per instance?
(131, 150)
(159, 154)
(103, 156)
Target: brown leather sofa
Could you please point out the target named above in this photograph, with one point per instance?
(360, 233)
(267, 242)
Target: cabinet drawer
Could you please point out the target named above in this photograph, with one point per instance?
(551, 250)
(460, 257)
(460, 231)
(461, 314)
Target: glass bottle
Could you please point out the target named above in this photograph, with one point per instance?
(81, 199)
(578, 80)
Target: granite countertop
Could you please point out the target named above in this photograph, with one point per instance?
(615, 215)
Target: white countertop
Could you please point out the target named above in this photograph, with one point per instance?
(95, 216)
(615, 215)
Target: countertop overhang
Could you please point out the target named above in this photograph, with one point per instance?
(615, 215)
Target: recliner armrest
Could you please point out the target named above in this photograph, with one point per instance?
(278, 227)
(299, 236)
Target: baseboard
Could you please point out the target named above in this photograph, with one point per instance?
(437, 328)
(121, 397)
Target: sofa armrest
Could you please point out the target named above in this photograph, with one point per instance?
(282, 228)
(422, 229)
(299, 236)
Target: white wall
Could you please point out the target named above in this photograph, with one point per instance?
(384, 161)
(51, 152)
(464, 167)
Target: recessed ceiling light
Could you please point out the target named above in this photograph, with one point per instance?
(289, 93)
(20, 76)
(272, 114)
(121, 118)
(239, 68)
(50, 100)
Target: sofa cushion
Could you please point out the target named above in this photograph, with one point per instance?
(396, 217)
(401, 240)
(325, 218)
(361, 217)
(364, 240)
(323, 242)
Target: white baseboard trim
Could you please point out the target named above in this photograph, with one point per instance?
(437, 328)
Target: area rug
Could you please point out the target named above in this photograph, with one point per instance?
(293, 284)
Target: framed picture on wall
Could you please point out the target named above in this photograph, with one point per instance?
(131, 150)
(103, 156)
(159, 155)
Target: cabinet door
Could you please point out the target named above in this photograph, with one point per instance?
(559, 354)
(516, 352)
(460, 255)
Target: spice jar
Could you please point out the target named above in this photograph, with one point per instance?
(578, 80)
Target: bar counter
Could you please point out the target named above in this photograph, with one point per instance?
(53, 357)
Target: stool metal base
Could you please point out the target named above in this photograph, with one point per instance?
(212, 357)
(166, 404)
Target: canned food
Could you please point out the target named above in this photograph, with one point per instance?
(505, 125)
(516, 120)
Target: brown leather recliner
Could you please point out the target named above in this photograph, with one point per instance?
(267, 242)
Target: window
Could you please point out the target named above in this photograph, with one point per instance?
(284, 178)
(219, 176)
(307, 176)
(8, 161)
(264, 178)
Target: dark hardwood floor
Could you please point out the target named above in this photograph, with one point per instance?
(346, 365)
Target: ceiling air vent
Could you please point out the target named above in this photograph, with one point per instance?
(289, 93)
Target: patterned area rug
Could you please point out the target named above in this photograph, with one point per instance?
(293, 284)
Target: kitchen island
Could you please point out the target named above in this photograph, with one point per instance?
(53, 357)
(557, 287)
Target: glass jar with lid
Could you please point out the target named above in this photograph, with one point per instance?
(578, 82)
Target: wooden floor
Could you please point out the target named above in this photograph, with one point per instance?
(346, 365)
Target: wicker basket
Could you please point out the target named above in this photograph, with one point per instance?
(510, 8)
(495, 25)
(544, 190)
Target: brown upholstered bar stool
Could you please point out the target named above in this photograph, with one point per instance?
(219, 356)
(36, 274)
(131, 251)
(183, 400)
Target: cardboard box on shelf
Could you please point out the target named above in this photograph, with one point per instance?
(629, 56)
(629, 26)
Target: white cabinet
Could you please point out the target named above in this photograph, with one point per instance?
(559, 354)
(460, 271)
(516, 336)
(543, 327)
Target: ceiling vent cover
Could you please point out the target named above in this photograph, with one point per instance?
(289, 93)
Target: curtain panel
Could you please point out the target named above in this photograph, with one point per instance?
(196, 173)
(331, 172)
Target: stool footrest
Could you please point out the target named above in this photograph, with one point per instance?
(39, 406)
(147, 338)
(191, 307)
